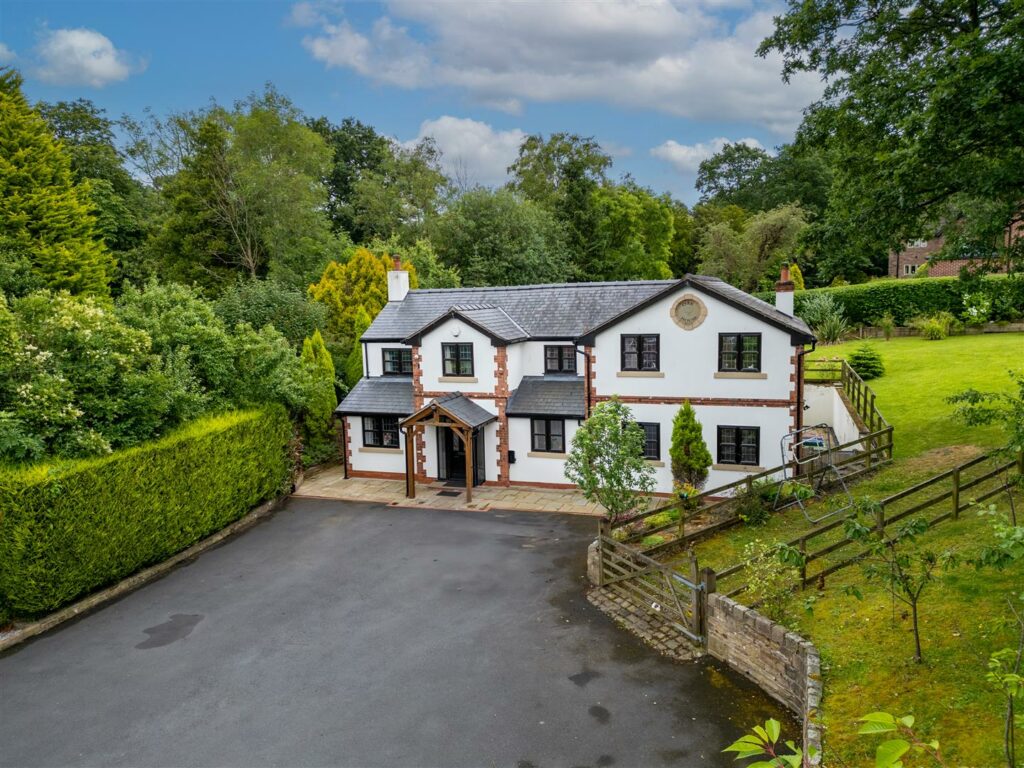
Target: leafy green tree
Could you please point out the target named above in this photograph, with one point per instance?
(430, 272)
(44, 215)
(401, 196)
(633, 238)
(318, 419)
(356, 150)
(496, 238)
(922, 117)
(249, 197)
(265, 302)
(561, 174)
(682, 257)
(751, 259)
(607, 461)
(734, 175)
(690, 456)
(977, 408)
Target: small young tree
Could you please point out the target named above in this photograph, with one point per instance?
(690, 456)
(903, 569)
(607, 460)
(1005, 408)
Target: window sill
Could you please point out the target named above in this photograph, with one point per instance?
(655, 462)
(547, 455)
(457, 379)
(641, 374)
(373, 449)
(740, 375)
(737, 468)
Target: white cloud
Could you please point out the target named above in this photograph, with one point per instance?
(82, 57)
(674, 56)
(6, 54)
(473, 151)
(686, 158)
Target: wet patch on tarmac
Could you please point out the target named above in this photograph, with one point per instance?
(178, 627)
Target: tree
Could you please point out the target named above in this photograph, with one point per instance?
(430, 272)
(682, 257)
(690, 456)
(922, 117)
(354, 362)
(1004, 408)
(361, 282)
(44, 214)
(633, 237)
(561, 174)
(318, 419)
(496, 238)
(401, 196)
(264, 302)
(607, 461)
(249, 197)
(904, 570)
(356, 151)
(750, 259)
(736, 174)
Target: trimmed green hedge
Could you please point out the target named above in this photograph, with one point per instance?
(908, 298)
(71, 527)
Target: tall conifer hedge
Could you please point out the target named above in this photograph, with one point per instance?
(68, 528)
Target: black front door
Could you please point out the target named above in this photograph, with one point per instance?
(451, 454)
(456, 458)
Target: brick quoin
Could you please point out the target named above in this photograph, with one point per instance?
(417, 402)
(346, 425)
(593, 376)
(501, 401)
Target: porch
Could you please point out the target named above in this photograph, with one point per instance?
(330, 483)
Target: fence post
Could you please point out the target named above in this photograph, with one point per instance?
(1020, 462)
(600, 551)
(695, 592)
(707, 586)
(880, 519)
(803, 561)
(956, 492)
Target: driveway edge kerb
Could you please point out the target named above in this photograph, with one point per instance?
(125, 586)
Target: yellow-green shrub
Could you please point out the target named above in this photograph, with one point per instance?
(68, 528)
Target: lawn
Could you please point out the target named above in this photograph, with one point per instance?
(921, 374)
(866, 645)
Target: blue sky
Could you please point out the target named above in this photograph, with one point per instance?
(660, 83)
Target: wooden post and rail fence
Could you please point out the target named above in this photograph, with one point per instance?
(716, 507)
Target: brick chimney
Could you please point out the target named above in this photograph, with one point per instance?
(398, 281)
(784, 291)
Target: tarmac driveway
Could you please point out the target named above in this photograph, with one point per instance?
(354, 634)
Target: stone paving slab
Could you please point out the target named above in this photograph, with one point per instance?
(330, 483)
(653, 630)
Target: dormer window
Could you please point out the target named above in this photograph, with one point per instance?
(397, 362)
(457, 359)
(559, 359)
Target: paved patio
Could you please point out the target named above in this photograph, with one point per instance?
(331, 484)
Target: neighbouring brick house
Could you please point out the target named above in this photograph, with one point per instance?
(917, 253)
(492, 383)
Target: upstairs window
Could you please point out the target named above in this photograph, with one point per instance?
(910, 269)
(739, 445)
(559, 359)
(652, 440)
(739, 352)
(640, 352)
(457, 359)
(397, 362)
(548, 435)
(380, 431)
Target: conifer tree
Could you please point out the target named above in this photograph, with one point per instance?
(354, 361)
(42, 210)
(690, 456)
(321, 402)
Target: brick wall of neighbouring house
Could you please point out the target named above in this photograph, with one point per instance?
(914, 256)
(782, 663)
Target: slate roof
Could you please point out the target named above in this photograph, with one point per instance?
(380, 394)
(460, 406)
(558, 311)
(548, 396)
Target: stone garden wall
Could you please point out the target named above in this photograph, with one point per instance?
(782, 663)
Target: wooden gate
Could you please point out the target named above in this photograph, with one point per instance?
(656, 587)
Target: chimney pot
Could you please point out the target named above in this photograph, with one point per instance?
(784, 291)
(396, 262)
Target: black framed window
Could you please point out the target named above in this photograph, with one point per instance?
(397, 361)
(652, 440)
(640, 352)
(559, 359)
(739, 352)
(739, 445)
(457, 359)
(380, 431)
(548, 435)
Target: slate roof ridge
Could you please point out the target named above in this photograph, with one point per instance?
(545, 286)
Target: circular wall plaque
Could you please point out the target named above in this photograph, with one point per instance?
(689, 312)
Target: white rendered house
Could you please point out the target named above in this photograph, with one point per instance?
(511, 372)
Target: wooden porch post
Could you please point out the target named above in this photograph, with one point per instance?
(468, 440)
(410, 463)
